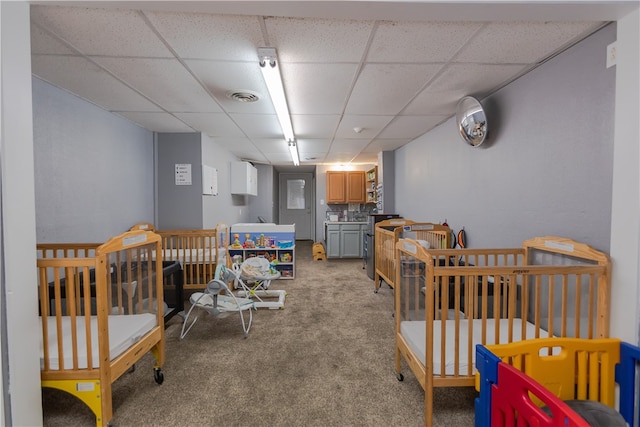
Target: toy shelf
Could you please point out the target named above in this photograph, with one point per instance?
(271, 241)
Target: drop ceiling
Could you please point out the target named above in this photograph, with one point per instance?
(360, 77)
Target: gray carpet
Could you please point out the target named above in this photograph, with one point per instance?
(326, 359)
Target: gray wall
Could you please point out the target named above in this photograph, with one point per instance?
(546, 168)
(184, 206)
(264, 203)
(93, 170)
(179, 206)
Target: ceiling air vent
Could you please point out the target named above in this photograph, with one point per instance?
(243, 96)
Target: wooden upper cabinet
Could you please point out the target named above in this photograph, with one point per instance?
(336, 187)
(345, 187)
(355, 187)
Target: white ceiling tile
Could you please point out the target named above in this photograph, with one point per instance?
(387, 89)
(349, 145)
(317, 88)
(427, 103)
(467, 79)
(279, 158)
(339, 157)
(259, 125)
(314, 126)
(521, 42)
(252, 156)
(370, 125)
(419, 41)
(222, 77)
(159, 122)
(313, 145)
(312, 157)
(318, 40)
(378, 145)
(43, 43)
(271, 145)
(101, 31)
(165, 81)
(410, 127)
(234, 144)
(80, 76)
(213, 124)
(207, 36)
(366, 158)
(329, 89)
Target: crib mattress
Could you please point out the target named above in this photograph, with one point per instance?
(192, 255)
(414, 333)
(124, 331)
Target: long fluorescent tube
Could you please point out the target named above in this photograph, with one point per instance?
(271, 73)
(293, 149)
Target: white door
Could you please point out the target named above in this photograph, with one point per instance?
(296, 203)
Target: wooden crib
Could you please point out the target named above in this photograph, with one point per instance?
(449, 300)
(199, 251)
(387, 234)
(102, 310)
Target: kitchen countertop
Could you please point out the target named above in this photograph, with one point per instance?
(346, 222)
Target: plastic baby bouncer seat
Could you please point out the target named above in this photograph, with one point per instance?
(253, 278)
(218, 300)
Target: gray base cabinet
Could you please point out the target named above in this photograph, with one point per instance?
(333, 241)
(345, 240)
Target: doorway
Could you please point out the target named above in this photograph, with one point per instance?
(297, 203)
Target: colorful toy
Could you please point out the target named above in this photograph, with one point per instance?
(248, 243)
(573, 370)
(236, 242)
(285, 257)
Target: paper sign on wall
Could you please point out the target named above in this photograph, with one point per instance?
(183, 173)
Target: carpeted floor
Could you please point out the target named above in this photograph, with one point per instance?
(326, 359)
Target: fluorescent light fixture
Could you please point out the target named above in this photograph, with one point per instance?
(293, 149)
(271, 73)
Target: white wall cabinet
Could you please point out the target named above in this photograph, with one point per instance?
(244, 178)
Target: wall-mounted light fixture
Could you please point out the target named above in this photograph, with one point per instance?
(293, 150)
(271, 72)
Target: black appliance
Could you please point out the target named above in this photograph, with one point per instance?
(369, 246)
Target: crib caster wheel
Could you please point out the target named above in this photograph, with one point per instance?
(400, 377)
(158, 375)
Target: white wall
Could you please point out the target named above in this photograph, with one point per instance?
(546, 168)
(625, 221)
(21, 364)
(94, 173)
(225, 207)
